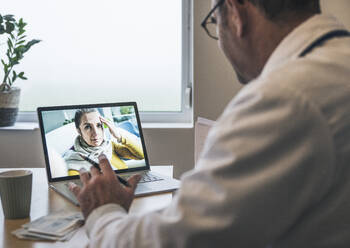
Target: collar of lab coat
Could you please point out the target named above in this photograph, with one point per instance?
(301, 38)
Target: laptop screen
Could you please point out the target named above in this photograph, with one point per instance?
(74, 136)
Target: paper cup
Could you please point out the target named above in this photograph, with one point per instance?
(16, 193)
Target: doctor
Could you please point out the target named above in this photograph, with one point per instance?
(275, 171)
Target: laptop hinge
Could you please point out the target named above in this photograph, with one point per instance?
(126, 174)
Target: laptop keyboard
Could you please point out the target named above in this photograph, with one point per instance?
(148, 177)
(145, 177)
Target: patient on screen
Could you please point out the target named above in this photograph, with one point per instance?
(91, 142)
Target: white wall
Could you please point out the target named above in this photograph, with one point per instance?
(338, 8)
(214, 86)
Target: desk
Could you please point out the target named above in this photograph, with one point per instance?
(45, 201)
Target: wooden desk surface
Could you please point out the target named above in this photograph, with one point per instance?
(45, 201)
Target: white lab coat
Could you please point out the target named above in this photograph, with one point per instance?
(275, 170)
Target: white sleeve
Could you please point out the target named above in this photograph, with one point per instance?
(268, 160)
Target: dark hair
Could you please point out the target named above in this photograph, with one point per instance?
(279, 10)
(79, 113)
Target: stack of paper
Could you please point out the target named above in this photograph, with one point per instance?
(202, 127)
(59, 226)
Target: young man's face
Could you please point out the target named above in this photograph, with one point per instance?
(91, 129)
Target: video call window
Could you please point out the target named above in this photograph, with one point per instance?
(74, 136)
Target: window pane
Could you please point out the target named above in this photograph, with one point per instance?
(101, 51)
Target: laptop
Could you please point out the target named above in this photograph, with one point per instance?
(74, 136)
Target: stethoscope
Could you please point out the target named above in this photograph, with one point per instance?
(328, 36)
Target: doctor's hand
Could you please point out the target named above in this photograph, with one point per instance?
(100, 188)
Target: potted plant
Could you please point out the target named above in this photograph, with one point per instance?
(17, 46)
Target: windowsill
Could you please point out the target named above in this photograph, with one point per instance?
(167, 125)
(30, 126)
(22, 126)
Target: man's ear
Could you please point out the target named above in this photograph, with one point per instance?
(79, 132)
(237, 13)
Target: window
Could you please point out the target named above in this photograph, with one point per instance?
(107, 51)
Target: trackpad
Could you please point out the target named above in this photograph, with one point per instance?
(142, 188)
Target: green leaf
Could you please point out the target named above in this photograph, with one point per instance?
(14, 76)
(14, 61)
(18, 52)
(2, 29)
(20, 48)
(9, 18)
(22, 37)
(9, 43)
(8, 54)
(9, 27)
(21, 75)
(5, 66)
(22, 31)
(33, 42)
(21, 23)
(28, 45)
(1, 19)
(20, 42)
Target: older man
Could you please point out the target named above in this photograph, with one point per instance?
(275, 170)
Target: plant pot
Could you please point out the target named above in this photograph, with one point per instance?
(9, 101)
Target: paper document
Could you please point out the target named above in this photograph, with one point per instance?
(59, 226)
(201, 129)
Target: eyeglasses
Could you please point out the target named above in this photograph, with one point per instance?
(209, 23)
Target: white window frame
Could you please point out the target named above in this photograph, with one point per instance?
(183, 118)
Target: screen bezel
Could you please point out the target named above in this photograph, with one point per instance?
(40, 110)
